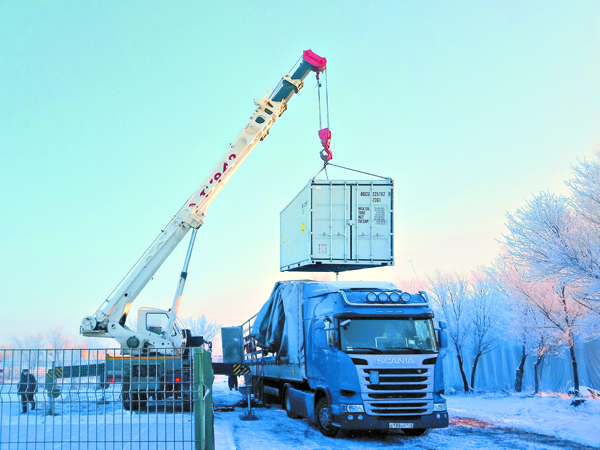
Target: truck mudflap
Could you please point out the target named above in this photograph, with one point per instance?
(361, 421)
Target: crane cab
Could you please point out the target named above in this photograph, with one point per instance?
(155, 321)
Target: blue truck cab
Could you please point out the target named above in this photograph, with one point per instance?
(349, 356)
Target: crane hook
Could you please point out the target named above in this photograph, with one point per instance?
(325, 136)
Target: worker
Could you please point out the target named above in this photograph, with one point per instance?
(26, 388)
(233, 382)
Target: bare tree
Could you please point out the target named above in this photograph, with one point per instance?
(202, 326)
(450, 296)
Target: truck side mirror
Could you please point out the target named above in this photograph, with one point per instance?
(442, 338)
(320, 338)
(443, 325)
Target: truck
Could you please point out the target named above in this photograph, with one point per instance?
(154, 359)
(349, 356)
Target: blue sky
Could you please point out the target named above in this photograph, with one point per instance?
(112, 113)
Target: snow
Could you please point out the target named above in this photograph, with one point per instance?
(478, 421)
(549, 414)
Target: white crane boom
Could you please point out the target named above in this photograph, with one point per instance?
(109, 319)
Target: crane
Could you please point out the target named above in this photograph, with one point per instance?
(159, 329)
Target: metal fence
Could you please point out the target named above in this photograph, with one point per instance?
(105, 399)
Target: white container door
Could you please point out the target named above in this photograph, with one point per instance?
(330, 215)
(372, 222)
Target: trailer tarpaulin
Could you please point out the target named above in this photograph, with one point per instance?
(278, 326)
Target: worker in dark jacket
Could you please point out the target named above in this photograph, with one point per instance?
(26, 388)
(233, 382)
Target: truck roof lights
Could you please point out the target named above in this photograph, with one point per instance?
(372, 297)
(395, 297)
(405, 297)
(383, 297)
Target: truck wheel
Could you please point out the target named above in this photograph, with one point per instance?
(324, 418)
(414, 431)
(143, 401)
(135, 403)
(126, 401)
(125, 397)
(187, 404)
(287, 405)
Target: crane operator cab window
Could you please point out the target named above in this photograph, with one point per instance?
(157, 322)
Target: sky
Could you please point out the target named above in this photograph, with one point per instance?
(113, 113)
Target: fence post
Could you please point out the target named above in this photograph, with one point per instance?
(204, 435)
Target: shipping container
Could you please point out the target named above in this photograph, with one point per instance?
(334, 226)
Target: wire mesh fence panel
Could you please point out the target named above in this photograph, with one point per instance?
(103, 399)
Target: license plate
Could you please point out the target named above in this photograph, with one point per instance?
(401, 425)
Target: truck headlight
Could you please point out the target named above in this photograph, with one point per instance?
(353, 408)
(439, 406)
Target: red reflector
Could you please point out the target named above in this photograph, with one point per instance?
(178, 380)
(112, 380)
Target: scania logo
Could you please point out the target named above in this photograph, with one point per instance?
(395, 361)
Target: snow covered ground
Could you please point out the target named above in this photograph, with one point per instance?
(552, 415)
(491, 421)
(498, 422)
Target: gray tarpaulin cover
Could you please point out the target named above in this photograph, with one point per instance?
(278, 326)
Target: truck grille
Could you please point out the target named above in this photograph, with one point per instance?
(399, 391)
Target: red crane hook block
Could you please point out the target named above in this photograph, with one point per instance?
(325, 136)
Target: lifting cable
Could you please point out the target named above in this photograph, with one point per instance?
(324, 168)
(324, 133)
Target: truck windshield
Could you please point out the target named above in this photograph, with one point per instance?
(388, 336)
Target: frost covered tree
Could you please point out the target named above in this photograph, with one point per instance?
(552, 301)
(554, 236)
(27, 340)
(203, 326)
(485, 302)
(57, 338)
(585, 267)
(555, 241)
(525, 319)
(450, 296)
(585, 186)
(543, 236)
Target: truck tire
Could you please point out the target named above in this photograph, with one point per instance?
(324, 418)
(187, 404)
(126, 401)
(143, 401)
(414, 431)
(135, 403)
(125, 397)
(139, 401)
(287, 405)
